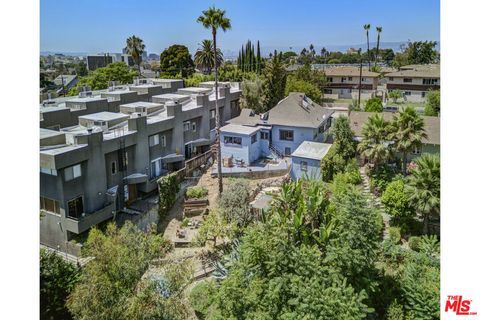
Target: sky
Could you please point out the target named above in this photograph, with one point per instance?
(95, 26)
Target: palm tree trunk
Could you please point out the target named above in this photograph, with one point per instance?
(368, 51)
(404, 169)
(376, 53)
(426, 219)
(217, 116)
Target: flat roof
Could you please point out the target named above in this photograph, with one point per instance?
(312, 150)
(195, 90)
(141, 104)
(104, 116)
(63, 149)
(85, 99)
(47, 133)
(173, 96)
(239, 129)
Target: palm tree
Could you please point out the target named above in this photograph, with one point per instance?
(135, 48)
(205, 58)
(215, 19)
(379, 30)
(408, 131)
(367, 28)
(374, 145)
(423, 187)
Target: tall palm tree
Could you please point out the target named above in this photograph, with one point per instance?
(423, 187)
(374, 145)
(407, 133)
(367, 28)
(215, 19)
(379, 30)
(205, 58)
(135, 48)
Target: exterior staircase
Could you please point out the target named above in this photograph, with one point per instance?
(277, 153)
(376, 202)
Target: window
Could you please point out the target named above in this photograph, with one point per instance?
(303, 165)
(186, 126)
(49, 205)
(417, 150)
(329, 79)
(327, 91)
(423, 94)
(254, 138)
(390, 79)
(408, 80)
(212, 114)
(164, 141)
(126, 159)
(194, 126)
(430, 81)
(321, 129)
(232, 140)
(75, 208)
(286, 135)
(113, 167)
(288, 151)
(344, 79)
(73, 172)
(350, 79)
(364, 79)
(407, 93)
(155, 168)
(49, 171)
(153, 140)
(264, 135)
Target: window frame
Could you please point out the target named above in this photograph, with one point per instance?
(407, 80)
(79, 214)
(113, 167)
(56, 205)
(186, 124)
(253, 139)
(303, 166)
(232, 140)
(285, 132)
(155, 140)
(163, 140)
(76, 172)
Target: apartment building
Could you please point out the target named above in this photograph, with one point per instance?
(98, 61)
(91, 170)
(414, 81)
(344, 82)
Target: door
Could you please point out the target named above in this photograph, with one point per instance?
(132, 193)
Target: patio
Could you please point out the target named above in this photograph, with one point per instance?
(261, 168)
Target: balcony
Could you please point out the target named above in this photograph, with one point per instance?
(89, 220)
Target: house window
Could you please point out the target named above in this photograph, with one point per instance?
(430, 81)
(194, 126)
(153, 140)
(254, 138)
(113, 167)
(212, 114)
(350, 79)
(164, 141)
(390, 79)
(364, 79)
(155, 169)
(407, 93)
(417, 150)
(288, 151)
(321, 129)
(49, 205)
(232, 140)
(423, 94)
(75, 208)
(49, 171)
(73, 172)
(344, 79)
(186, 126)
(286, 135)
(329, 79)
(126, 159)
(303, 165)
(408, 80)
(327, 91)
(264, 135)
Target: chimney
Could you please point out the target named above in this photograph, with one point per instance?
(202, 99)
(171, 105)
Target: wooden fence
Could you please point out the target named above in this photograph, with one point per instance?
(195, 163)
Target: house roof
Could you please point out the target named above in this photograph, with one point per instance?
(247, 117)
(312, 150)
(239, 129)
(417, 71)
(104, 116)
(350, 71)
(67, 78)
(297, 110)
(432, 125)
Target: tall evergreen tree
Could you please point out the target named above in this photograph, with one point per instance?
(275, 77)
(259, 58)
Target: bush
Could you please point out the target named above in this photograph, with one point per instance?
(234, 203)
(381, 176)
(374, 105)
(332, 163)
(197, 192)
(201, 297)
(395, 311)
(395, 234)
(397, 205)
(167, 192)
(353, 172)
(414, 243)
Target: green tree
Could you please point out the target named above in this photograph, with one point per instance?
(379, 30)
(214, 227)
(374, 105)
(204, 57)
(333, 162)
(252, 95)
(176, 60)
(215, 19)
(81, 69)
(343, 135)
(135, 48)
(108, 284)
(432, 107)
(275, 78)
(235, 203)
(423, 187)
(310, 90)
(397, 204)
(407, 133)
(395, 95)
(366, 27)
(421, 52)
(374, 145)
(57, 280)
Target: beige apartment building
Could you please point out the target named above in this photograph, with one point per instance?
(344, 83)
(414, 81)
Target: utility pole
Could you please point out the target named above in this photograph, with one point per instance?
(360, 80)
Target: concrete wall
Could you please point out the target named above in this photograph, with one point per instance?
(313, 168)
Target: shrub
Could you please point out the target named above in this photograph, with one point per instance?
(414, 243)
(397, 205)
(353, 172)
(167, 192)
(395, 234)
(381, 176)
(234, 203)
(201, 297)
(395, 311)
(197, 192)
(332, 163)
(374, 105)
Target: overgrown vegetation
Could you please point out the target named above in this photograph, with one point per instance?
(168, 186)
(196, 192)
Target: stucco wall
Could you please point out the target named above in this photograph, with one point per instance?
(299, 135)
(313, 168)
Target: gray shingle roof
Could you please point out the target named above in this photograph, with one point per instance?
(312, 150)
(419, 71)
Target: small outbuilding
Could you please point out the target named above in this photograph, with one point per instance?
(306, 159)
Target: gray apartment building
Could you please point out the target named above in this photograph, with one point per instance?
(102, 151)
(98, 61)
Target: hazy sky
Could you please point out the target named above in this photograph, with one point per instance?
(102, 26)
